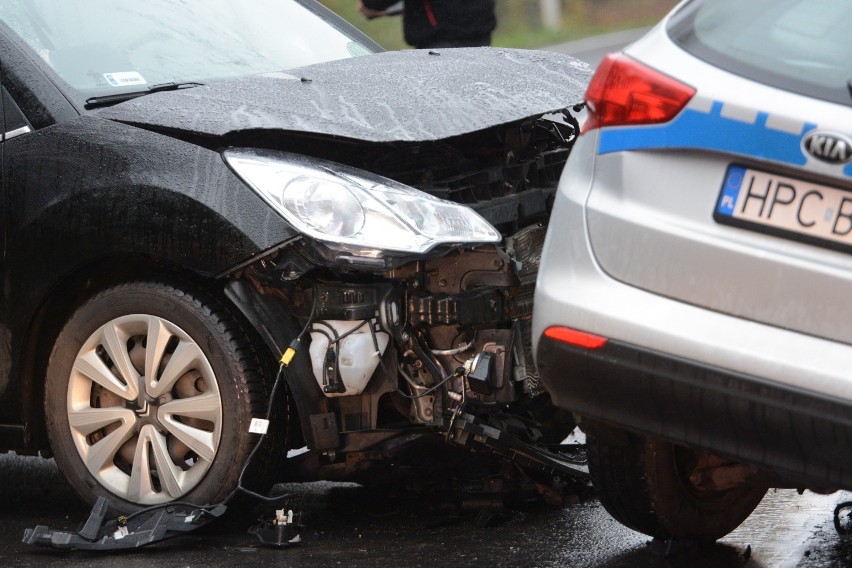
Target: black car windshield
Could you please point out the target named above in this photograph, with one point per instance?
(103, 47)
(803, 46)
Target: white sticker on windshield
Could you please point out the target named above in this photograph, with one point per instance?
(125, 79)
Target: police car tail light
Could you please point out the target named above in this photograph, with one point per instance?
(575, 337)
(625, 92)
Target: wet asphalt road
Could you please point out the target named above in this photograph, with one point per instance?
(347, 525)
(593, 49)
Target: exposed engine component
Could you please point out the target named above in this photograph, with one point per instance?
(345, 354)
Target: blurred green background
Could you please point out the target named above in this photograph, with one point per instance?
(529, 23)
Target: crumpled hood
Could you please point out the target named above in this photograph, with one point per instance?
(402, 96)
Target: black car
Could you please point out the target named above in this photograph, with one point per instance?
(204, 199)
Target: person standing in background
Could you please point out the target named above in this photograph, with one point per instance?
(440, 23)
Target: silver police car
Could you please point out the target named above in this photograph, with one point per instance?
(694, 304)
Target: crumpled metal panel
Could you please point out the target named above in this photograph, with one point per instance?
(415, 95)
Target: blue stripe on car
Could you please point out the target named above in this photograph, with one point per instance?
(693, 129)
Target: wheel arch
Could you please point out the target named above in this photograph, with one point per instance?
(70, 293)
(66, 295)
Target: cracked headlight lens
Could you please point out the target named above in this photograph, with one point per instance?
(340, 205)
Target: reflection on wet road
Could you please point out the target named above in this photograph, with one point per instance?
(347, 525)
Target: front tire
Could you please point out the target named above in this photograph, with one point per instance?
(644, 484)
(149, 392)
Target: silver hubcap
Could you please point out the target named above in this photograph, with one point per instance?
(144, 409)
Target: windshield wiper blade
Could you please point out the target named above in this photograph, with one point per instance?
(173, 86)
(106, 100)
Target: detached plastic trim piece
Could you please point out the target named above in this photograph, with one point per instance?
(144, 528)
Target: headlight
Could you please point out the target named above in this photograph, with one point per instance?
(358, 211)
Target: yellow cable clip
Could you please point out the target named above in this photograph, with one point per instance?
(290, 352)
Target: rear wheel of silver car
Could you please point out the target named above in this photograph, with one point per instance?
(644, 484)
(149, 392)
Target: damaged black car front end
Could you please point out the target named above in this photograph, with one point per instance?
(406, 343)
(379, 237)
(417, 308)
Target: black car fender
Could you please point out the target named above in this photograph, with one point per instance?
(90, 195)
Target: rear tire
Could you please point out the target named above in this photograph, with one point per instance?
(149, 392)
(644, 484)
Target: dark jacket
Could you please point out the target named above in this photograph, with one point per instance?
(436, 23)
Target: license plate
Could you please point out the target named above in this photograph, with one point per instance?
(786, 206)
